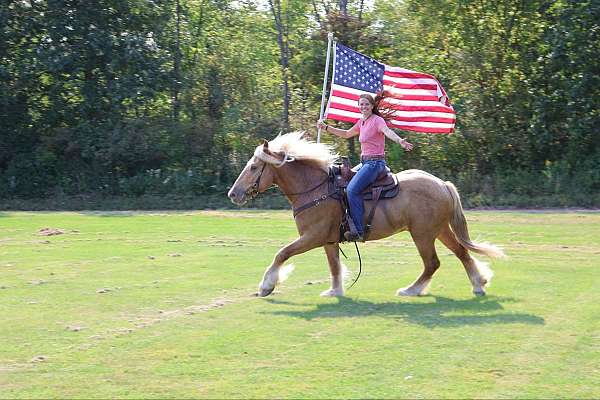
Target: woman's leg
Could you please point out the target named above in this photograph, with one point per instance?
(366, 175)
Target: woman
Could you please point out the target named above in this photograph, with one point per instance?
(372, 130)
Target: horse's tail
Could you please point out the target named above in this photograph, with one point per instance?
(458, 223)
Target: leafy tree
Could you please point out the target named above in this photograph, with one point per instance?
(135, 97)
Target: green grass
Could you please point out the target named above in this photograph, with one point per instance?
(159, 305)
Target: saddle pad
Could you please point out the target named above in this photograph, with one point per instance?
(387, 193)
(389, 190)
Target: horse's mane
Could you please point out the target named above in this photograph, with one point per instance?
(295, 146)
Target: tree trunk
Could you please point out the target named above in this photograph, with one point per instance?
(177, 62)
(343, 7)
(284, 50)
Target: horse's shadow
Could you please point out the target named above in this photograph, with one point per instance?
(444, 312)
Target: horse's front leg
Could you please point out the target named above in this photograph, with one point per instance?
(271, 277)
(337, 270)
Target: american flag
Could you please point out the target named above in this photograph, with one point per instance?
(418, 101)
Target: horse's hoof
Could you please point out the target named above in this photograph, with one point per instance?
(405, 292)
(264, 292)
(332, 293)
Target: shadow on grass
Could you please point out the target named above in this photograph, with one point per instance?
(444, 312)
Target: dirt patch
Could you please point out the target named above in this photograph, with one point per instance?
(50, 232)
(226, 242)
(151, 318)
(74, 328)
(148, 320)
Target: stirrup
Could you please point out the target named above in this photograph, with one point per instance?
(353, 237)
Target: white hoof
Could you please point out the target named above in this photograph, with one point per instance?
(265, 288)
(332, 293)
(413, 291)
(268, 283)
(406, 292)
(264, 292)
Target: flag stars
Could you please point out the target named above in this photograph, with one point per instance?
(357, 71)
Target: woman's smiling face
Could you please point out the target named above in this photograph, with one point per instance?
(365, 106)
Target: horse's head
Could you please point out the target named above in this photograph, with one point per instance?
(257, 175)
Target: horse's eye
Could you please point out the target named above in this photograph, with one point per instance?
(253, 168)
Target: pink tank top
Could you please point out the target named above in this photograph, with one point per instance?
(372, 139)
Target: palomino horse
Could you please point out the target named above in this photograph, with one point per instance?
(426, 206)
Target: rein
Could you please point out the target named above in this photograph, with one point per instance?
(309, 190)
(359, 262)
(359, 265)
(314, 202)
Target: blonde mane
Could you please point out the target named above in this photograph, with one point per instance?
(296, 147)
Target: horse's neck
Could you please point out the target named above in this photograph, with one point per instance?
(298, 177)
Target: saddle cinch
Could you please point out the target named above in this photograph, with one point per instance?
(384, 187)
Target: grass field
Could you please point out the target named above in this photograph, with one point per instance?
(159, 305)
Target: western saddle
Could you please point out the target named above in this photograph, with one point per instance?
(384, 187)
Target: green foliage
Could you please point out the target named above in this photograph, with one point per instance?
(94, 96)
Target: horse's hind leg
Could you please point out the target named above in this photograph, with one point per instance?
(337, 270)
(479, 273)
(426, 247)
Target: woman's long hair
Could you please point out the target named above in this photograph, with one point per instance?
(381, 106)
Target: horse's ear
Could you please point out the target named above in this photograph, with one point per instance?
(306, 135)
(265, 144)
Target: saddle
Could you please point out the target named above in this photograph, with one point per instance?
(384, 187)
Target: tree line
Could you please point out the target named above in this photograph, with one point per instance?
(132, 98)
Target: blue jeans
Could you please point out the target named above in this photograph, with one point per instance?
(366, 175)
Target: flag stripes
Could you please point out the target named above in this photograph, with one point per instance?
(419, 101)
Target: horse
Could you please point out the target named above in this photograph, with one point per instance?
(426, 206)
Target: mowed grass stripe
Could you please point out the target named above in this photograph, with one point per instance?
(183, 323)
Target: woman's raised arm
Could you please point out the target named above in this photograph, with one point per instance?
(346, 134)
(397, 139)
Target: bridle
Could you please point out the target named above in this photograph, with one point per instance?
(252, 191)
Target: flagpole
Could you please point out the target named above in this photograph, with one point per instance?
(329, 41)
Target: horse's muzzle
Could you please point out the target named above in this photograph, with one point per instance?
(237, 197)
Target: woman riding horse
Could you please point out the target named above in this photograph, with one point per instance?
(372, 129)
(427, 207)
